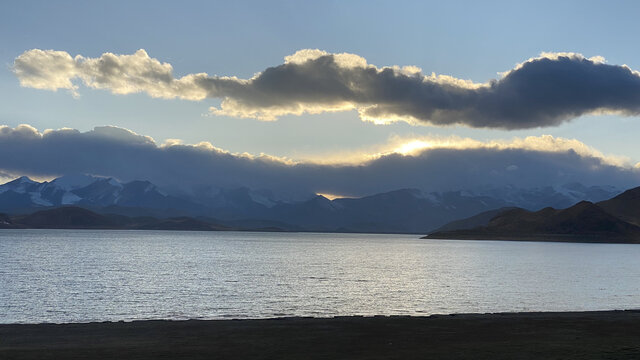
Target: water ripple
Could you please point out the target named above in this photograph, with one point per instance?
(65, 276)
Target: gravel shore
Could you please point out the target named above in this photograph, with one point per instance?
(571, 335)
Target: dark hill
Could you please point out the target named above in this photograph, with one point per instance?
(625, 206)
(68, 217)
(583, 222)
(71, 217)
(6, 222)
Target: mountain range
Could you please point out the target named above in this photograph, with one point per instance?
(616, 220)
(399, 211)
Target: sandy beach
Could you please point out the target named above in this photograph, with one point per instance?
(572, 335)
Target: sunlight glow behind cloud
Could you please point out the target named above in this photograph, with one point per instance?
(545, 143)
(429, 164)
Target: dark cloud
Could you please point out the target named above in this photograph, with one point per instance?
(543, 91)
(116, 152)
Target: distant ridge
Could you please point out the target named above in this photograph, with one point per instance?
(68, 217)
(72, 217)
(397, 211)
(610, 221)
(481, 219)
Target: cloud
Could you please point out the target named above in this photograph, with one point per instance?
(120, 153)
(542, 91)
(120, 74)
(543, 143)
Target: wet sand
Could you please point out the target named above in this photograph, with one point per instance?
(577, 335)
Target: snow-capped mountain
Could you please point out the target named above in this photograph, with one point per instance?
(24, 195)
(559, 197)
(404, 210)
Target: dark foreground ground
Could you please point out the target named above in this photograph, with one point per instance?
(585, 335)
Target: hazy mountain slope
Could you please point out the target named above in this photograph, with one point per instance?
(16, 203)
(481, 219)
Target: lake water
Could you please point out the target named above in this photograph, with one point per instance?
(81, 275)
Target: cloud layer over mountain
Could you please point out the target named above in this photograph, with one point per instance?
(542, 91)
(120, 153)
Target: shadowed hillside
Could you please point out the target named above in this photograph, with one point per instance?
(626, 206)
(68, 217)
(71, 217)
(583, 222)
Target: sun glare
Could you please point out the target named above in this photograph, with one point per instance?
(334, 196)
(412, 147)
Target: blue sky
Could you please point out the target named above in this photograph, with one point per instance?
(466, 40)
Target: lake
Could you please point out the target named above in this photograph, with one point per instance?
(85, 275)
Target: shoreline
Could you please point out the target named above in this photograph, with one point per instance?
(526, 335)
(547, 238)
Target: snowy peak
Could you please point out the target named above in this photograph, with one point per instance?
(403, 210)
(102, 192)
(25, 195)
(20, 185)
(22, 180)
(559, 197)
(27, 188)
(60, 191)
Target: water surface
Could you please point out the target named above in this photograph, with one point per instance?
(83, 275)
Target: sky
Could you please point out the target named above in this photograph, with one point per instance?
(492, 69)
